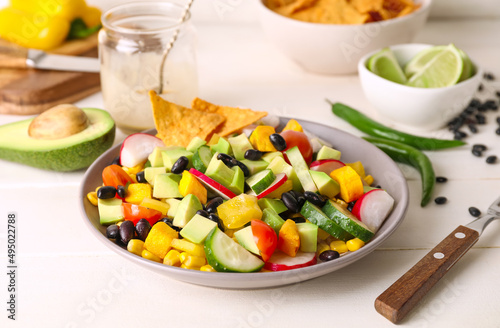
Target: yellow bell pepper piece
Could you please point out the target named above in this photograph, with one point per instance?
(189, 184)
(358, 167)
(293, 125)
(351, 186)
(286, 187)
(65, 9)
(368, 179)
(238, 211)
(156, 205)
(289, 238)
(32, 31)
(260, 138)
(136, 192)
(159, 239)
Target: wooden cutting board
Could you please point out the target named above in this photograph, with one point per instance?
(31, 91)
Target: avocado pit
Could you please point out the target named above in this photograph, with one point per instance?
(58, 122)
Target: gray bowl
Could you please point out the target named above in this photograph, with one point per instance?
(376, 162)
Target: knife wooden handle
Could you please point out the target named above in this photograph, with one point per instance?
(395, 302)
(11, 57)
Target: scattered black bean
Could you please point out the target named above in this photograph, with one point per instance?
(212, 205)
(482, 108)
(489, 76)
(290, 202)
(440, 200)
(329, 255)
(142, 228)
(497, 93)
(498, 119)
(253, 154)
(127, 231)
(491, 159)
(477, 152)
(298, 219)
(474, 211)
(106, 192)
(244, 168)
(479, 147)
(314, 198)
(497, 131)
(480, 119)
(474, 102)
(472, 128)
(121, 191)
(441, 179)
(278, 141)
(490, 104)
(180, 165)
(481, 87)
(113, 231)
(459, 135)
(140, 177)
(202, 213)
(115, 161)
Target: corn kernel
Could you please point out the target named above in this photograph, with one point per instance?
(172, 258)
(368, 179)
(189, 267)
(339, 246)
(194, 261)
(207, 268)
(182, 256)
(92, 197)
(189, 247)
(135, 246)
(134, 169)
(322, 246)
(150, 256)
(322, 234)
(354, 244)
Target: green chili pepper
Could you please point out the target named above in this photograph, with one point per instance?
(370, 127)
(402, 153)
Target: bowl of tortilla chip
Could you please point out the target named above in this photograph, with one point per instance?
(330, 36)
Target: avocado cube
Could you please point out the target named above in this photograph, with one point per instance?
(255, 166)
(240, 144)
(219, 171)
(268, 157)
(151, 172)
(274, 204)
(326, 185)
(308, 234)
(197, 229)
(166, 185)
(171, 156)
(272, 218)
(195, 143)
(188, 207)
(326, 152)
(237, 185)
(110, 210)
(222, 146)
(156, 158)
(174, 205)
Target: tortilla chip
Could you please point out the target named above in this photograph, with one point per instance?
(236, 118)
(177, 125)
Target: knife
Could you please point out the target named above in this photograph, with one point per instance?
(402, 296)
(31, 58)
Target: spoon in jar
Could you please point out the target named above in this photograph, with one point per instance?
(185, 15)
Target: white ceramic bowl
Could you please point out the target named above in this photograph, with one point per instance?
(380, 166)
(417, 108)
(336, 49)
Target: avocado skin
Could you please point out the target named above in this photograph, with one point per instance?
(72, 158)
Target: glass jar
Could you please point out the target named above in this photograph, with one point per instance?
(131, 45)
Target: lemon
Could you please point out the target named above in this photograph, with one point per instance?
(385, 65)
(444, 69)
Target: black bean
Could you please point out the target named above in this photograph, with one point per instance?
(497, 93)
(472, 128)
(477, 152)
(440, 200)
(298, 219)
(290, 202)
(142, 228)
(350, 206)
(329, 255)
(459, 135)
(494, 107)
(479, 147)
(498, 119)
(202, 213)
(441, 179)
(215, 218)
(253, 154)
(482, 108)
(488, 76)
(244, 168)
(490, 103)
(481, 87)
(497, 131)
(315, 199)
(106, 192)
(474, 211)
(115, 161)
(112, 231)
(226, 159)
(474, 103)
(180, 165)
(491, 159)
(127, 231)
(212, 205)
(166, 220)
(469, 110)
(140, 177)
(278, 141)
(121, 191)
(480, 119)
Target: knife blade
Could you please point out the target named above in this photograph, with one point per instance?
(402, 296)
(32, 58)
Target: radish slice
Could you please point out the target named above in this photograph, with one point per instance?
(278, 182)
(137, 147)
(315, 144)
(271, 120)
(373, 208)
(312, 136)
(279, 261)
(213, 185)
(326, 165)
(249, 129)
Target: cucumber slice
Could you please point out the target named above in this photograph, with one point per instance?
(226, 255)
(347, 221)
(201, 158)
(315, 215)
(299, 164)
(260, 181)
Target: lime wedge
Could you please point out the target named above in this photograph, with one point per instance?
(421, 59)
(468, 69)
(445, 69)
(385, 65)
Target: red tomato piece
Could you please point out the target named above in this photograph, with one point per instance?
(115, 176)
(265, 238)
(299, 139)
(134, 213)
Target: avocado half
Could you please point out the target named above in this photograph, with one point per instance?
(67, 154)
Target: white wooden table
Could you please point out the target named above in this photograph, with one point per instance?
(66, 278)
